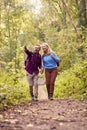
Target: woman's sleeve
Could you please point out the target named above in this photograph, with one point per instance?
(55, 57)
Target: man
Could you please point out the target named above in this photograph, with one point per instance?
(32, 69)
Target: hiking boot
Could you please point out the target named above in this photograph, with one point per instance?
(51, 98)
(48, 95)
(35, 99)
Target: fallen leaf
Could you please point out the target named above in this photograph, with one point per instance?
(61, 124)
(30, 125)
(12, 121)
(1, 117)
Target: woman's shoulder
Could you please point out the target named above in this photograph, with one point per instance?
(42, 55)
(53, 52)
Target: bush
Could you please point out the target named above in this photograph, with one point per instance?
(72, 83)
(13, 90)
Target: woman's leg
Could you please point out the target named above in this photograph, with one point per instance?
(54, 73)
(48, 76)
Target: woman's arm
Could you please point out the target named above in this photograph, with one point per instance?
(54, 56)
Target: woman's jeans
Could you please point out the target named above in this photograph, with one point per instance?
(50, 75)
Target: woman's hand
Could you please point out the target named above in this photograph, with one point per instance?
(51, 54)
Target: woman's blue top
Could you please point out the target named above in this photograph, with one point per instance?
(49, 62)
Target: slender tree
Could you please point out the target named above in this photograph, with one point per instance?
(83, 13)
(70, 17)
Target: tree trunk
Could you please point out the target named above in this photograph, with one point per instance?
(70, 17)
(64, 16)
(86, 8)
(77, 3)
(83, 13)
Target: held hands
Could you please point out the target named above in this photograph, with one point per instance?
(41, 70)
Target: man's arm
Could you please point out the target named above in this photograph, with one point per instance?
(25, 48)
(29, 53)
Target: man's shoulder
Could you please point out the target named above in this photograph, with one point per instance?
(39, 55)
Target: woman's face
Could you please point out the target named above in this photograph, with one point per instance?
(44, 48)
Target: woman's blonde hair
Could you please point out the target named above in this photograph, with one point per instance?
(49, 49)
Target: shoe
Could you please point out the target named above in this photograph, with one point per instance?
(51, 98)
(48, 95)
(35, 99)
(32, 98)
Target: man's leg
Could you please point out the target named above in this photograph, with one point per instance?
(31, 91)
(30, 81)
(35, 87)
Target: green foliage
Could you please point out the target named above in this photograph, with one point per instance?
(82, 13)
(20, 26)
(13, 89)
(72, 83)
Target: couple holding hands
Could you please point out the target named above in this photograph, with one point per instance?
(36, 63)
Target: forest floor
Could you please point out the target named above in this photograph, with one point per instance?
(57, 114)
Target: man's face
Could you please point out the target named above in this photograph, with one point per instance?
(37, 48)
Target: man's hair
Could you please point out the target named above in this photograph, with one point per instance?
(38, 45)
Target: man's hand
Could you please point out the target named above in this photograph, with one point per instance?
(25, 48)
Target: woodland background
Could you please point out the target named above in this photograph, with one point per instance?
(61, 23)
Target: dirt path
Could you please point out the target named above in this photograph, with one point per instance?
(59, 114)
(42, 92)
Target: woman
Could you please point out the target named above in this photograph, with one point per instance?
(50, 61)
